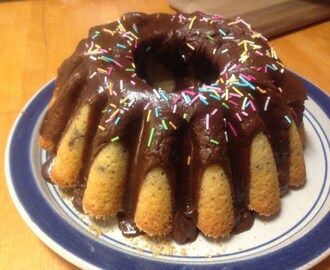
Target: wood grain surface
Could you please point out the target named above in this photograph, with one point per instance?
(35, 37)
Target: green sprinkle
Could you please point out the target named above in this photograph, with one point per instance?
(152, 133)
(164, 124)
(185, 116)
(209, 37)
(214, 141)
(130, 69)
(225, 105)
(114, 139)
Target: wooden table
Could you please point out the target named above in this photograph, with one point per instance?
(35, 37)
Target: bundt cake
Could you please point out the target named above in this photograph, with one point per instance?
(175, 124)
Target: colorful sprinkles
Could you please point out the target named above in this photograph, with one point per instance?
(234, 87)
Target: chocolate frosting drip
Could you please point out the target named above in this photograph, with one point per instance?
(229, 85)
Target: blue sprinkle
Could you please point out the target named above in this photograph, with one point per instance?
(240, 84)
(107, 59)
(247, 82)
(156, 112)
(121, 46)
(215, 84)
(222, 32)
(204, 101)
(215, 97)
(163, 96)
(273, 68)
(201, 89)
(117, 120)
(247, 104)
(287, 119)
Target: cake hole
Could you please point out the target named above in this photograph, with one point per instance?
(172, 66)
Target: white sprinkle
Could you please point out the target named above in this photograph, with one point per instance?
(174, 108)
(101, 90)
(93, 58)
(232, 67)
(228, 37)
(92, 75)
(266, 103)
(244, 103)
(156, 93)
(226, 136)
(131, 103)
(121, 85)
(214, 50)
(224, 51)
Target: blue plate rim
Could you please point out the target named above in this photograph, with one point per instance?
(93, 258)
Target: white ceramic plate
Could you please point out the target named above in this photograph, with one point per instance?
(299, 236)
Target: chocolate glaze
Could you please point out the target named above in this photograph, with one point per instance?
(199, 50)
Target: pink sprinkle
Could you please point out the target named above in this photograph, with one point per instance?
(109, 71)
(265, 69)
(264, 38)
(212, 87)
(259, 68)
(233, 102)
(294, 113)
(189, 92)
(251, 77)
(245, 113)
(252, 105)
(133, 75)
(132, 82)
(244, 76)
(260, 53)
(207, 122)
(232, 128)
(226, 76)
(238, 117)
(118, 64)
(129, 57)
(114, 92)
(108, 120)
(194, 99)
(234, 95)
(177, 99)
(146, 107)
(174, 108)
(135, 44)
(214, 112)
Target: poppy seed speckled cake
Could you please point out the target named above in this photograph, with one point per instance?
(175, 124)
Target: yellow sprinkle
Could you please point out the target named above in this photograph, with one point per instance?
(128, 42)
(251, 96)
(237, 91)
(188, 160)
(148, 116)
(190, 46)
(216, 93)
(262, 91)
(110, 88)
(101, 127)
(123, 100)
(227, 94)
(133, 65)
(172, 125)
(113, 105)
(232, 23)
(192, 22)
(114, 113)
(280, 89)
(258, 35)
(280, 64)
(101, 70)
(222, 81)
(133, 35)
